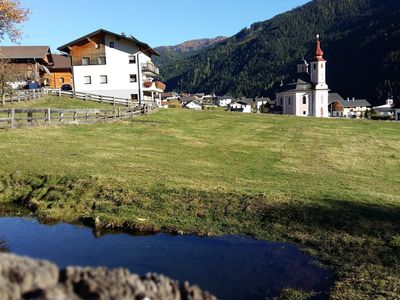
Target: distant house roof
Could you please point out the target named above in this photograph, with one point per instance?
(61, 62)
(224, 98)
(142, 46)
(248, 101)
(185, 99)
(193, 102)
(334, 97)
(41, 53)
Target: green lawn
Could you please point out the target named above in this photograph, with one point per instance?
(58, 102)
(331, 186)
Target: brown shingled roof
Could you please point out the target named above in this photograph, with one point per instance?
(24, 52)
(61, 61)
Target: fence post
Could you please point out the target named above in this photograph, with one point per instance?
(61, 117)
(19, 96)
(86, 97)
(119, 112)
(11, 115)
(113, 101)
(75, 116)
(30, 116)
(73, 95)
(48, 116)
(59, 93)
(101, 98)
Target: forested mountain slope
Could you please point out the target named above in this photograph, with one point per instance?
(361, 40)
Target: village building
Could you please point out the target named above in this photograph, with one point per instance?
(261, 102)
(244, 105)
(223, 101)
(194, 104)
(386, 110)
(350, 108)
(308, 95)
(31, 63)
(110, 64)
(60, 72)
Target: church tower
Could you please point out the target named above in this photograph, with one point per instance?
(318, 79)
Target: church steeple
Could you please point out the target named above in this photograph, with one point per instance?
(318, 67)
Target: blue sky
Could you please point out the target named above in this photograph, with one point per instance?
(158, 23)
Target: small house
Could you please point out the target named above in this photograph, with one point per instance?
(193, 105)
(244, 105)
(223, 101)
(350, 108)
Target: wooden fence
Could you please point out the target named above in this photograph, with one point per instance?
(101, 98)
(20, 117)
(24, 95)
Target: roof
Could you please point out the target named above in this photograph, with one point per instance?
(61, 61)
(187, 99)
(25, 52)
(300, 85)
(334, 97)
(356, 103)
(194, 102)
(132, 39)
(248, 101)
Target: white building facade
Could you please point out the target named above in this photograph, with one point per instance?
(105, 63)
(309, 95)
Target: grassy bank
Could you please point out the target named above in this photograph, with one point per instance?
(331, 186)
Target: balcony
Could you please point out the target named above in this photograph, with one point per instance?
(154, 86)
(150, 69)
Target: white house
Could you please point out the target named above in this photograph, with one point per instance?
(242, 105)
(223, 101)
(194, 105)
(261, 101)
(350, 108)
(110, 64)
(387, 109)
(308, 96)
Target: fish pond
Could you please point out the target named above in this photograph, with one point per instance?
(230, 267)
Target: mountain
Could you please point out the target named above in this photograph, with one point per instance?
(361, 40)
(169, 54)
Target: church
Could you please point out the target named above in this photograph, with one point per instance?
(309, 95)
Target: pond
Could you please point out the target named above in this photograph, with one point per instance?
(230, 267)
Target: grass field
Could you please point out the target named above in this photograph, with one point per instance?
(58, 102)
(330, 186)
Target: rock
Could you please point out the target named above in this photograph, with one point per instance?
(26, 278)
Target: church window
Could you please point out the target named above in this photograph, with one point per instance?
(304, 112)
(322, 66)
(315, 66)
(289, 101)
(304, 100)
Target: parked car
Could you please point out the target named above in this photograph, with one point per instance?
(66, 87)
(32, 86)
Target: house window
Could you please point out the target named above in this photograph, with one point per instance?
(132, 59)
(102, 60)
(134, 97)
(61, 80)
(132, 78)
(85, 61)
(281, 101)
(103, 79)
(112, 45)
(315, 66)
(87, 79)
(289, 101)
(97, 46)
(304, 100)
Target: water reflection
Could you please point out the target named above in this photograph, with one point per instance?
(3, 246)
(230, 267)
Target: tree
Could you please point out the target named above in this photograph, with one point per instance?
(9, 73)
(11, 15)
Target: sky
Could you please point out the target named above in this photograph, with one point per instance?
(158, 22)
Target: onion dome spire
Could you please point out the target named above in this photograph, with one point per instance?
(318, 51)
